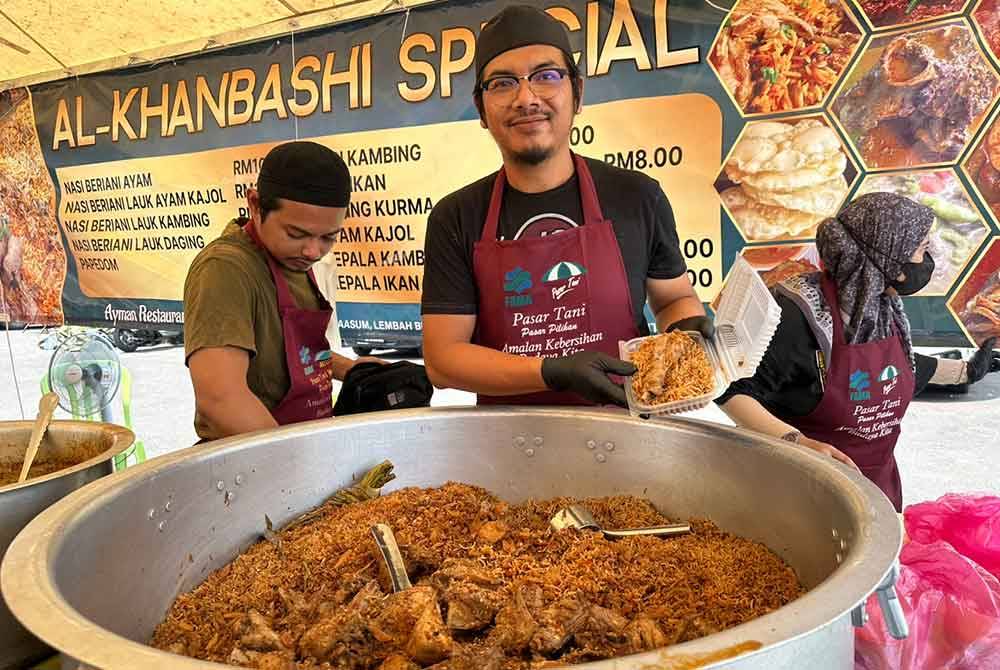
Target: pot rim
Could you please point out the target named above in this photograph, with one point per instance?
(27, 575)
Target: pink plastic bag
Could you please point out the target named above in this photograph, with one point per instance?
(969, 523)
(951, 602)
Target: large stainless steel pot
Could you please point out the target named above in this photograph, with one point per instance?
(94, 574)
(92, 445)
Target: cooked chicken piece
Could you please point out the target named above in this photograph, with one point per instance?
(490, 658)
(398, 662)
(558, 623)
(343, 638)
(179, 648)
(673, 629)
(430, 641)
(603, 631)
(515, 623)
(349, 587)
(471, 607)
(400, 613)
(240, 657)
(701, 627)
(258, 635)
(368, 598)
(734, 67)
(462, 570)
(643, 634)
(492, 532)
(275, 661)
(605, 622)
(295, 602)
(993, 145)
(419, 559)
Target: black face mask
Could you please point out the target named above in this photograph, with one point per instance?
(917, 276)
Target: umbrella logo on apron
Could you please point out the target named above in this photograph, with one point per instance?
(859, 383)
(565, 273)
(889, 379)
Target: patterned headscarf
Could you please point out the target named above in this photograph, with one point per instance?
(863, 249)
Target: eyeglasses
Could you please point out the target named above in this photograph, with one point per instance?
(543, 83)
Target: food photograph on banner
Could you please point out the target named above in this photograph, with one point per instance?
(976, 303)
(916, 97)
(778, 262)
(32, 260)
(982, 167)
(986, 18)
(783, 55)
(783, 177)
(888, 14)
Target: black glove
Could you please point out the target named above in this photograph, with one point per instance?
(586, 374)
(702, 324)
(984, 361)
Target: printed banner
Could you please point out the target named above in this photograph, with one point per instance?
(758, 119)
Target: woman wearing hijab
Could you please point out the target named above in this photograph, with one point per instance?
(841, 370)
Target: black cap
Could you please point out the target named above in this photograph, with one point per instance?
(305, 172)
(519, 26)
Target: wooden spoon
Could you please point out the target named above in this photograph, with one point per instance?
(46, 406)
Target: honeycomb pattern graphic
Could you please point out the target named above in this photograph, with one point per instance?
(916, 105)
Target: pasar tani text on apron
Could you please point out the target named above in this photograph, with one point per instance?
(307, 352)
(554, 295)
(867, 390)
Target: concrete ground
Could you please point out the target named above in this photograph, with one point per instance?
(949, 444)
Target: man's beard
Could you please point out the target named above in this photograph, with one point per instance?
(533, 156)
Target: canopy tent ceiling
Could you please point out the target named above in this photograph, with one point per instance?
(43, 40)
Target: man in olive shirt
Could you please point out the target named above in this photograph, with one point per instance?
(255, 321)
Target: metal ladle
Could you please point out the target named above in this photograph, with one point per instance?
(387, 546)
(579, 517)
(46, 407)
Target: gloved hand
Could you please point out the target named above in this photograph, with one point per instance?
(586, 373)
(984, 361)
(702, 324)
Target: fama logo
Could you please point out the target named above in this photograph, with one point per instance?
(307, 358)
(517, 281)
(859, 383)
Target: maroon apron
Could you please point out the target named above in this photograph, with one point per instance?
(868, 388)
(552, 296)
(307, 351)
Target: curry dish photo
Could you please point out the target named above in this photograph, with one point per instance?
(918, 98)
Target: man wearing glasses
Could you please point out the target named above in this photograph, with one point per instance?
(533, 274)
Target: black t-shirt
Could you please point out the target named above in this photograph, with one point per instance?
(787, 382)
(635, 204)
